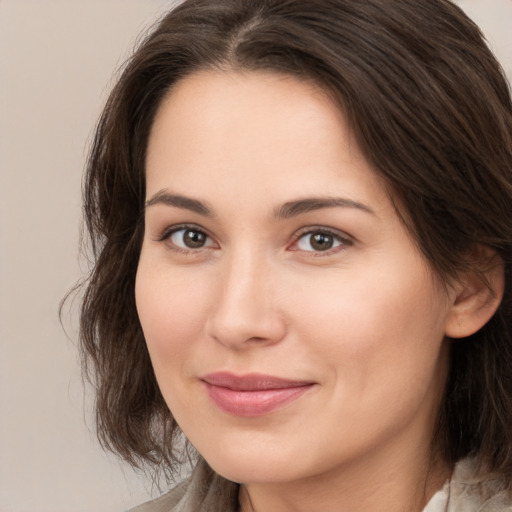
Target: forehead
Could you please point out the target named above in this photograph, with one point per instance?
(213, 107)
(254, 132)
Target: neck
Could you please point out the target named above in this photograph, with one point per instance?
(384, 485)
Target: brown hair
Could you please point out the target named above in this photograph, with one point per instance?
(432, 112)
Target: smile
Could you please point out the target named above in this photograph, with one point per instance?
(252, 394)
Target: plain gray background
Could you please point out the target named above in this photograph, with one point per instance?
(57, 59)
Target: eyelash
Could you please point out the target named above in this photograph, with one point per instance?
(343, 240)
(169, 232)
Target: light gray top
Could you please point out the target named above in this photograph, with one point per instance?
(206, 491)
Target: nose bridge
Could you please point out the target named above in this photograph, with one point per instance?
(245, 309)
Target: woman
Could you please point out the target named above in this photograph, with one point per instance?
(300, 218)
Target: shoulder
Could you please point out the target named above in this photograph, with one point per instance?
(165, 503)
(203, 491)
(483, 493)
(470, 491)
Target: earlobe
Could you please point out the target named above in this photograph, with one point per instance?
(477, 297)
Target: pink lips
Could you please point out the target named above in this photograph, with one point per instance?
(252, 394)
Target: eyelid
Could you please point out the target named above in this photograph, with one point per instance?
(170, 230)
(345, 239)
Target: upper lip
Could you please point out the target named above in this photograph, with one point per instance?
(251, 381)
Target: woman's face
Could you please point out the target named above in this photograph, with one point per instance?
(294, 328)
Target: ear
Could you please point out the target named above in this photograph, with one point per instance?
(477, 295)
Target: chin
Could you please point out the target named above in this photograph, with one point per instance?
(254, 463)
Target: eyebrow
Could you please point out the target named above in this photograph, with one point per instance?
(178, 201)
(309, 204)
(286, 211)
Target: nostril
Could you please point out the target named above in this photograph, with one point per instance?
(246, 331)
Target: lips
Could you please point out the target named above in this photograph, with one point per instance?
(252, 394)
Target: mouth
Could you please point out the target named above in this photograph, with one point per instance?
(252, 394)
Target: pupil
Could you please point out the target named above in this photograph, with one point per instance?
(321, 241)
(194, 239)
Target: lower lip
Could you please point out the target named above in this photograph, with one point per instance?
(253, 403)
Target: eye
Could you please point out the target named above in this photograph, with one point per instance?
(320, 241)
(190, 238)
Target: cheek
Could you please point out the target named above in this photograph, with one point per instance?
(369, 327)
(379, 345)
(171, 308)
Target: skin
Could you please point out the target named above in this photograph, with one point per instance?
(365, 320)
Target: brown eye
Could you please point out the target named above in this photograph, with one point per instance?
(187, 238)
(320, 241)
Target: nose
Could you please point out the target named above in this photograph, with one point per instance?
(245, 311)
